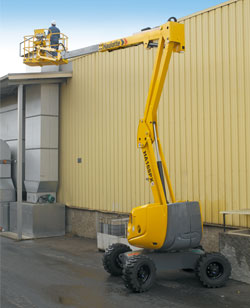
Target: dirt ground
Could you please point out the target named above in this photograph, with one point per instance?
(68, 272)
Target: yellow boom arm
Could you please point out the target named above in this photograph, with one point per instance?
(160, 225)
(170, 38)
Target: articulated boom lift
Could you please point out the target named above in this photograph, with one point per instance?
(169, 233)
(175, 228)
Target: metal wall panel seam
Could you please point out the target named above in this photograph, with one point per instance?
(213, 118)
(188, 130)
(233, 99)
(200, 113)
(219, 112)
(206, 121)
(194, 116)
(241, 111)
(227, 118)
(247, 94)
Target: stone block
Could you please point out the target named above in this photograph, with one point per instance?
(83, 223)
(235, 245)
(105, 240)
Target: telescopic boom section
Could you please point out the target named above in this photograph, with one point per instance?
(170, 38)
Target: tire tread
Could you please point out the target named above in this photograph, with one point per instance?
(129, 269)
(108, 258)
(204, 279)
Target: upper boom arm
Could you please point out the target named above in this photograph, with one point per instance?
(170, 37)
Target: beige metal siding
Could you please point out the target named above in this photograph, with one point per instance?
(203, 121)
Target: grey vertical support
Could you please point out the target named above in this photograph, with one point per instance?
(19, 161)
(159, 162)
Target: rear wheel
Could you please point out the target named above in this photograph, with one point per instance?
(139, 273)
(111, 258)
(213, 270)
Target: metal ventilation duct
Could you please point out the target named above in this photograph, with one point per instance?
(41, 140)
(7, 190)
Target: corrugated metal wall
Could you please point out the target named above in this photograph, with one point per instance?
(203, 121)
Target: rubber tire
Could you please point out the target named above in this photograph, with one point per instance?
(201, 270)
(110, 256)
(130, 272)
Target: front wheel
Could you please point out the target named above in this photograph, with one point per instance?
(111, 258)
(139, 273)
(213, 270)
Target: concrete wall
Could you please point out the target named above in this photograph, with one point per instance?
(85, 223)
(210, 238)
(235, 246)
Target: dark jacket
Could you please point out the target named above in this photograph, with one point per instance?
(54, 39)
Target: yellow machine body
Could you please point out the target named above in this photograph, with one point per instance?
(161, 225)
(147, 226)
(151, 226)
(37, 50)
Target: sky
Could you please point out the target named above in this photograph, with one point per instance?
(85, 22)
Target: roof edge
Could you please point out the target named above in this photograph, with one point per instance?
(94, 48)
(208, 9)
(81, 52)
(38, 75)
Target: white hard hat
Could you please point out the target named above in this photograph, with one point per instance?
(53, 22)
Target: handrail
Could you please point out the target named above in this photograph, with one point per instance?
(38, 49)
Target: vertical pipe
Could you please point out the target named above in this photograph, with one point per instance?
(19, 161)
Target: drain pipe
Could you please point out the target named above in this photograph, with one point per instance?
(19, 161)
